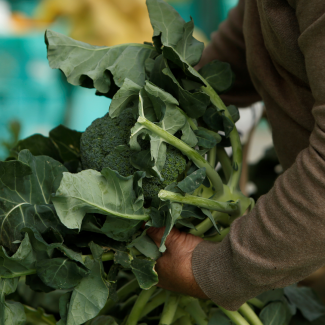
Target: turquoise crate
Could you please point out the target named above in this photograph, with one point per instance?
(30, 91)
(37, 96)
(85, 108)
(25, 6)
(207, 14)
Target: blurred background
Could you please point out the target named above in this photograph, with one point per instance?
(35, 99)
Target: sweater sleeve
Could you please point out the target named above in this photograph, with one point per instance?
(282, 240)
(228, 45)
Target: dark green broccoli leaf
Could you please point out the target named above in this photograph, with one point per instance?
(80, 62)
(219, 75)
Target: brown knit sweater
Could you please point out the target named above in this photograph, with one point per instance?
(277, 50)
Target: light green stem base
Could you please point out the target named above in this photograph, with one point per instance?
(170, 308)
(139, 305)
(235, 317)
(225, 162)
(192, 307)
(218, 238)
(257, 303)
(249, 314)
(154, 303)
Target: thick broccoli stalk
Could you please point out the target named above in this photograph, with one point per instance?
(99, 149)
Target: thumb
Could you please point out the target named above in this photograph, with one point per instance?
(156, 234)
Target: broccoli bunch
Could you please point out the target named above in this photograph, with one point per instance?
(105, 144)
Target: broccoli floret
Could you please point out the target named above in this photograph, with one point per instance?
(174, 166)
(103, 136)
(98, 150)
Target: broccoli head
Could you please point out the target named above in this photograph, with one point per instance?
(101, 147)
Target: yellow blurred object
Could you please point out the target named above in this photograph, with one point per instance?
(22, 24)
(101, 22)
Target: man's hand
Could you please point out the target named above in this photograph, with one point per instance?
(175, 266)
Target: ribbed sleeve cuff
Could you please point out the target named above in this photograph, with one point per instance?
(219, 278)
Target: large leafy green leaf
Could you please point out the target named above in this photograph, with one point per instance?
(26, 187)
(60, 273)
(193, 104)
(128, 93)
(306, 301)
(142, 161)
(274, 313)
(172, 55)
(91, 294)
(174, 212)
(11, 313)
(217, 121)
(219, 318)
(38, 317)
(271, 295)
(171, 30)
(64, 306)
(75, 256)
(167, 24)
(218, 74)
(189, 47)
(38, 145)
(67, 142)
(62, 145)
(193, 181)
(121, 229)
(22, 261)
(172, 121)
(123, 258)
(146, 246)
(41, 248)
(144, 271)
(106, 193)
(191, 211)
(37, 285)
(97, 66)
(206, 138)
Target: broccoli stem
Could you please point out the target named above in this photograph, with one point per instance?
(225, 207)
(237, 155)
(105, 257)
(212, 157)
(235, 317)
(257, 303)
(154, 303)
(18, 274)
(139, 305)
(185, 320)
(218, 238)
(205, 225)
(249, 314)
(187, 151)
(225, 162)
(122, 293)
(180, 312)
(193, 307)
(169, 310)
